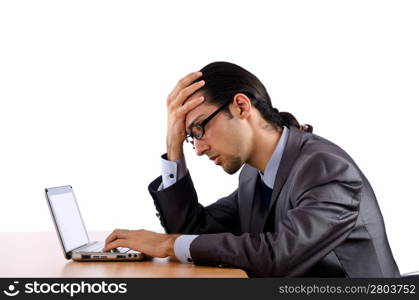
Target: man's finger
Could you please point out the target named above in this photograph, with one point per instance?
(117, 233)
(111, 237)
(115, 244)
(187, 92)
(191, 104)
(184, 82)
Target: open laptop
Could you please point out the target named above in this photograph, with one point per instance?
(72, 233)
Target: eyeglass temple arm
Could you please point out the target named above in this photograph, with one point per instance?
(214, 113)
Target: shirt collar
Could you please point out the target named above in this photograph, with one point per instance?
(273, 164)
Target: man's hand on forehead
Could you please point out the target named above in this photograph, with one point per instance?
(183, 99)
(196, 94)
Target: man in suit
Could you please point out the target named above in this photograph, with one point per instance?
(302, 207)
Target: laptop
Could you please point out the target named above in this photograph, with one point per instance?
(72, 233)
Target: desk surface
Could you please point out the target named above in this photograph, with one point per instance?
(39, 254)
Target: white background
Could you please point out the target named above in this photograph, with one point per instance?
(83, 86)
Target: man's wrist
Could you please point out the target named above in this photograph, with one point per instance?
(170, 244)
(174, 152)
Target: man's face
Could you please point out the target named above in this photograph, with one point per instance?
(224, 140)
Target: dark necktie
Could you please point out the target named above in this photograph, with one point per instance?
(266, 195)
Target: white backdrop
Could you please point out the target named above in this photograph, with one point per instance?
(83, 86)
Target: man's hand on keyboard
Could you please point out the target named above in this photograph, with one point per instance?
(148, 242)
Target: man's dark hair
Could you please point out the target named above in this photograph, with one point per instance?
(223, 80)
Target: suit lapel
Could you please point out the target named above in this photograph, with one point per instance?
(291, 151)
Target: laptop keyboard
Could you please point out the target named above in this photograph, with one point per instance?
(97, 247)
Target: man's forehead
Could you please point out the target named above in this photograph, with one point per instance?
(198, 113)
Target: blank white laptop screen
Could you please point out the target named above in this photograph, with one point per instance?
(67, 217)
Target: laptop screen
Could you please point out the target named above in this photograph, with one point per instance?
(67, 217)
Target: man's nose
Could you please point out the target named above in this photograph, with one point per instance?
(200, 147)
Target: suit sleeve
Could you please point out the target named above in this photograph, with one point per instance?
(325, 209)
(180, 212)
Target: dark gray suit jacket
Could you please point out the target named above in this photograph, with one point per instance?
(323, 219)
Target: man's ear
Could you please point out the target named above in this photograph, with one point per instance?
(242, 106)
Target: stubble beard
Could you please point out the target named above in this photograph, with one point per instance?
(233, 165)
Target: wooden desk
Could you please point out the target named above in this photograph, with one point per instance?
(39, 254)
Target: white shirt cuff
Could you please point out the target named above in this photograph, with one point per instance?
(181, 247)
(172, 171)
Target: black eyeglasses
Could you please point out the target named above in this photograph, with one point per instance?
(198, 130)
